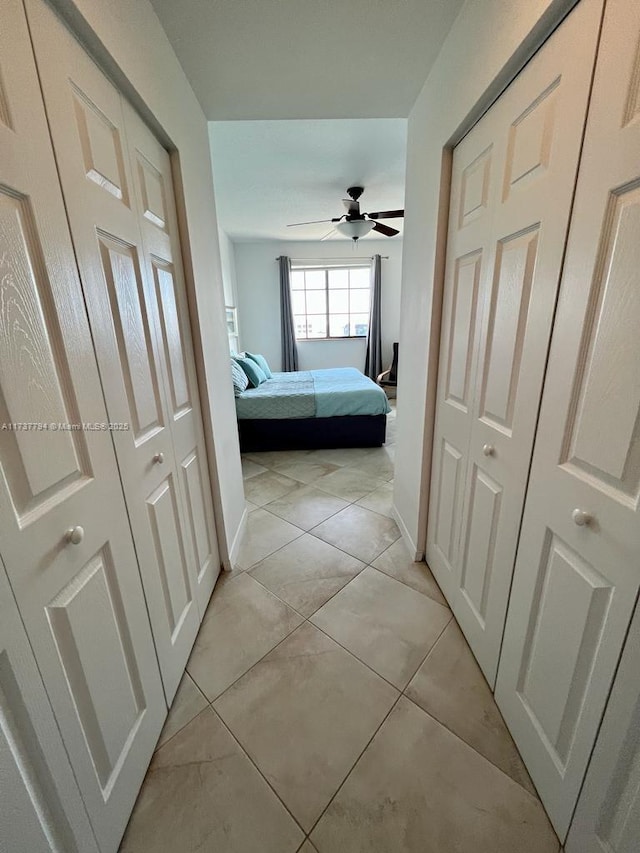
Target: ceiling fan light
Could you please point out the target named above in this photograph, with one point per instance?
(355, 228)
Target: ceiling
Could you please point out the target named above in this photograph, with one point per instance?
(268, 174)
(295, 59)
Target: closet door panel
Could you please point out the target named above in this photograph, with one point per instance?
(172, 342)
(80, 598)
(577, 574)
(174, 574)
(123, 279)
(153, 185)
(607, 819)
(473, 190)
(541, 119)
(535, 132)
(90, 140)
(41, 810)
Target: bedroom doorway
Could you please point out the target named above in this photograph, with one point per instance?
(324, 491)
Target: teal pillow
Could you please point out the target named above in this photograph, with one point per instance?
(239, 377)
(255, 374)
(262, 363)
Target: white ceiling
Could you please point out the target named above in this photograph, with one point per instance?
(269, 59)
(268, 174)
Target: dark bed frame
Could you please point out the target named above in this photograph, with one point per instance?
(312, 433)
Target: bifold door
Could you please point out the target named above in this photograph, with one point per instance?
(116, 180)
(607, 819)
(578, 568)
(512, 187)
(151, 171)
(64, 531)
(41, 810)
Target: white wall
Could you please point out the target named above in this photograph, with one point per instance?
(489, 42)
(126, 37)
(258, 289)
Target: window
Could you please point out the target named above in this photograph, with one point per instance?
(330, 301)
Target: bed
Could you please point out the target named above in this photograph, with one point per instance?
(310, 409)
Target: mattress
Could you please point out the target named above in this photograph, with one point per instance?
(337, 392)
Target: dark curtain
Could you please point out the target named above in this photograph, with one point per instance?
(289, 348)
(373, 362)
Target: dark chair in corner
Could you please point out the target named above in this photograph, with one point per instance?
(388, 380)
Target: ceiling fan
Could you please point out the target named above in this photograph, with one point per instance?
(355, 224)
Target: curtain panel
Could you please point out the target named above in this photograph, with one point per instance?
(288, 333)
(373, 361)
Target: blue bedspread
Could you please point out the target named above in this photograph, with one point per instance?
(346, 391)
(338, 392)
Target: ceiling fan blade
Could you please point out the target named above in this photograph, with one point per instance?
(312, 222)
(386, 214)
(384, 229)
(351, 206)
(329, 234)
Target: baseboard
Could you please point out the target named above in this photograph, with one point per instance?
(237, 540)
(415, 552)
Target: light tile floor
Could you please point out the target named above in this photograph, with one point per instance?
(331, 703)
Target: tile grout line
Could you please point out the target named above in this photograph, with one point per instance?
(250, 759)
(347, 552)
(168, 740)
(401, 695)
(272, 649)
(314, 482)
(274, 470)
(240, 570)
(333, 595)
(266, 507)
(337, 642)
(240, 744)
(305, 619)
(365, 565)
(353, 766)
(444, 725)
(470, 746)
(402, 692)
(275, 515)
(354, 655)
(338, 497)
(311, 533)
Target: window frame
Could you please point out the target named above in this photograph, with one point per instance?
(326, 268)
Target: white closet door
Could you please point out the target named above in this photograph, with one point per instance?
(513, 181)
(82, 604)
(607, 819)
(87, 126)
(578, 568)
(41, 810)
(167, 300)
(469, 257)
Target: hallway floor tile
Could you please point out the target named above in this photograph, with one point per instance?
(331, 703)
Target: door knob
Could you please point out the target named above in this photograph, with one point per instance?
(75, 535)
(581, 517)
(488, 449)
(159, 458)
